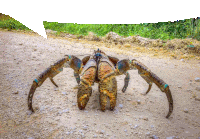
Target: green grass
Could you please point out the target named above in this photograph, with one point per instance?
(164, 30)
(12, 24)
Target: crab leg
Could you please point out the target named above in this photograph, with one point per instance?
(30, 95)
(148, 76)
(126, 81)
(76, 75)
(50, 72)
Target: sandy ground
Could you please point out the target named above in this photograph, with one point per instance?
(23, 57)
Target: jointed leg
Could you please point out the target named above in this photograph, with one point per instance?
(76, 75)
(124, 65)
(30, 95)
(147, 80)
(53, 82)
(50, 72)
(150, 78)
(126, 81)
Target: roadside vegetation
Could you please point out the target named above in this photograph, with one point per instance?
(164, 30)
(181, 29)
(6, 22)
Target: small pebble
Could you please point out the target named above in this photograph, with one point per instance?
(116, 110)
(145, 118)
(170, 137)
(147, 133)
(182, 60)
(185, 110)
(138, 101)
(68, 133)
(125, 130)
(42, 108)
(189, 90)
(74, 104)
(86, 111)
(72, 132)
(198, 88)
(64, 93)
(60, 112)
(38, 97)
(135, 126)
(66, 110)
(82, 135)
(29, 112)
(120, 105)
(102, 131)
(197, 79)
(155, 137)
(15, 92)
(129, 99)
(85, 127)
(95, 136)
(197, 99)
(152, 126)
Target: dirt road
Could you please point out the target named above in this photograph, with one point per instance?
(23, 57)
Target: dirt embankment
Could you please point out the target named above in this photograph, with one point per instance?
(176, 48)
(57, 116)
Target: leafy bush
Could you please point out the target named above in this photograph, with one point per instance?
(12, 24)
(189, 28)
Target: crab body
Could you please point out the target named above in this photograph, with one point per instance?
(102, 69)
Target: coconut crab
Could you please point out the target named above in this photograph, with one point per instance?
(102, 69)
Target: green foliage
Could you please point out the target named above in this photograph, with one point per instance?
(163, 30)
(12, 24)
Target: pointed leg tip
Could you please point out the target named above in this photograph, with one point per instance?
(56, 89)
(144, 93)
(30, 111)
(168, 115)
